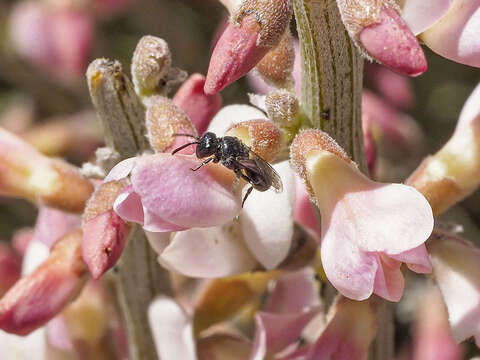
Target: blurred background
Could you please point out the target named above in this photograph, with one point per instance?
(46, 45)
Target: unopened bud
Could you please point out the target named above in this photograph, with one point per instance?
(276, 67)
(282, 108)
(104, 232)
(28, 174)
(163, 120)
(262, 136)
(38, 297)
(150, 64)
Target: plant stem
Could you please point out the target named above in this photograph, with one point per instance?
(138, 277)
(332, 75)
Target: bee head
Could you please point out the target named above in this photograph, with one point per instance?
(207, 145)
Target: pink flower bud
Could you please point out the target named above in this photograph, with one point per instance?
(104, 232)
(246, 41)
(52, 224)
(28, 174)
(38, 297)
(198, 106)
(365, 224)
(383, 34)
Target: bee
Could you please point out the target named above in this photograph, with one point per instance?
(238, 157)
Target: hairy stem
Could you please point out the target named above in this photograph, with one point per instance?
(332, 75)
(138, 277)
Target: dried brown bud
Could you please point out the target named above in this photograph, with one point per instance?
(262, 136)
(102, 199)
(163, 120)
(276, 67)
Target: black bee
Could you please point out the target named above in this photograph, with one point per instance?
(236, 156)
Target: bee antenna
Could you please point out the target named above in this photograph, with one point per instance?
(188, 135)
(183, 147)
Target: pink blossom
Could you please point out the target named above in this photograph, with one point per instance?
(368, 228)
(57, 40)
(448, 27)
(165, 195)
(52, 224)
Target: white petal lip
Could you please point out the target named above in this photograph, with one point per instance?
(121, 170)
(233, 114)
(470, 111)
(391, 218)
(207, 253)
(172, 330)
(455, 36)
(421, 14)
(267, 220)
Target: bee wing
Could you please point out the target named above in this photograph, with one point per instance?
(257, 164)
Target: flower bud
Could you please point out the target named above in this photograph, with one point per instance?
(150, 64)
(257, 27)
(163, 120)
(199, 107)
(104, 232)
(454, 171)
(39, 296)
(28, 174)
(378, 29)
(282, 108)
(262, 136)
(277, 65)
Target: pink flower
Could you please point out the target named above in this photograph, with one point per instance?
(368, 228)
(448, 27)
(165, 195)
(57, 40)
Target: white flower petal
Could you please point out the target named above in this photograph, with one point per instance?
(267, 220)
(233, 114)
(172, 330)
(37, 252)
(207, 253)
(420, 15)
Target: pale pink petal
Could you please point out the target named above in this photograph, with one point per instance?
(269, 235)
(417, 259)
(420, 15)
(389, 282)
(456, 35)
(128, 206)
(121, 170)
(351, 329)
(274, 332)
(470, 115)
(293, 292)
(170, 191)
(303, 212)
(389, 218)
(455, 266)
(233, 114)
(158, 240)
(52, 224)
(154, 223)
(350, 270)
(171, 329)
(207, 253)
(58, 334)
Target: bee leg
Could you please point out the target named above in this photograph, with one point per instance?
(203, 163)
(246, 195)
